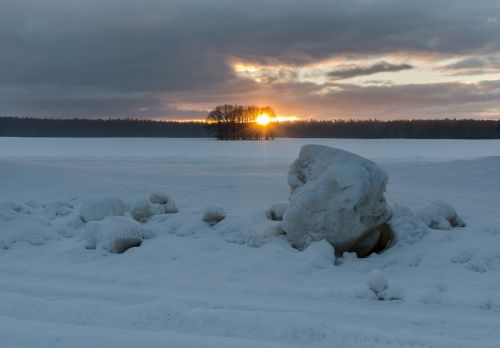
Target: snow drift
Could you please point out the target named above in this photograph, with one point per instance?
(98, 209)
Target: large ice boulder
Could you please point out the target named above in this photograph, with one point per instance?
(98, 209)
(440, 215)
(338, 196)
(115, 234)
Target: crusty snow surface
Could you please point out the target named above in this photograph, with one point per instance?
(237, 283)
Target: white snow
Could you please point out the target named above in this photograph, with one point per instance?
(335, 195)
(98, 209)
(407, 226)
(239, 283)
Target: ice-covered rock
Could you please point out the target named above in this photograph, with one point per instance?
(98, 209)
(115, 234)
(275, 212)
(141, 210)
(338, 196)
(440, 215)
(213, 215)
(162, 203)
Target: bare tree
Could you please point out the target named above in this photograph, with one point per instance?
(236, 122)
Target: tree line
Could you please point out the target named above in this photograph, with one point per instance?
(394, 129)
(365, 129)
(88, 128)
(237, 122)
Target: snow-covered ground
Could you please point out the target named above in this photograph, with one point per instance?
(236, 284)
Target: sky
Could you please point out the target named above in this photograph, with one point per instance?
(322, 59)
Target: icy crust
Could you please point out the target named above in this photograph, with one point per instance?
(335, 195)
(440, 215)
(115, 234)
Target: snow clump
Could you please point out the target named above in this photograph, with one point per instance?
(338, 196)
(440, 215)
(115, 234)
(320, 254)
(98, 209)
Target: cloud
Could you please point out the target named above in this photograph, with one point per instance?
(114, 57)
(475, 65)
(368, 70)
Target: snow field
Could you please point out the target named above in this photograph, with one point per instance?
(238, 283)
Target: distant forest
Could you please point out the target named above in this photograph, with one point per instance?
(365, 129)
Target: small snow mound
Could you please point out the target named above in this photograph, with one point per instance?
(159, 198)
(213, 215)
(440, 215)
(338, 196)
(382, 288)
(407, 226)
(141, 210)
(320, 254)
(275, 212)
(115, 234)
(377, 281)
(98, 209)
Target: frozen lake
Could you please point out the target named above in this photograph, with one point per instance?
(228, 286)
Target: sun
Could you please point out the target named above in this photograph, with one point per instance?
(263, 119)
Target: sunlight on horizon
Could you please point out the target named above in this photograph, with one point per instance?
(263, 119)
